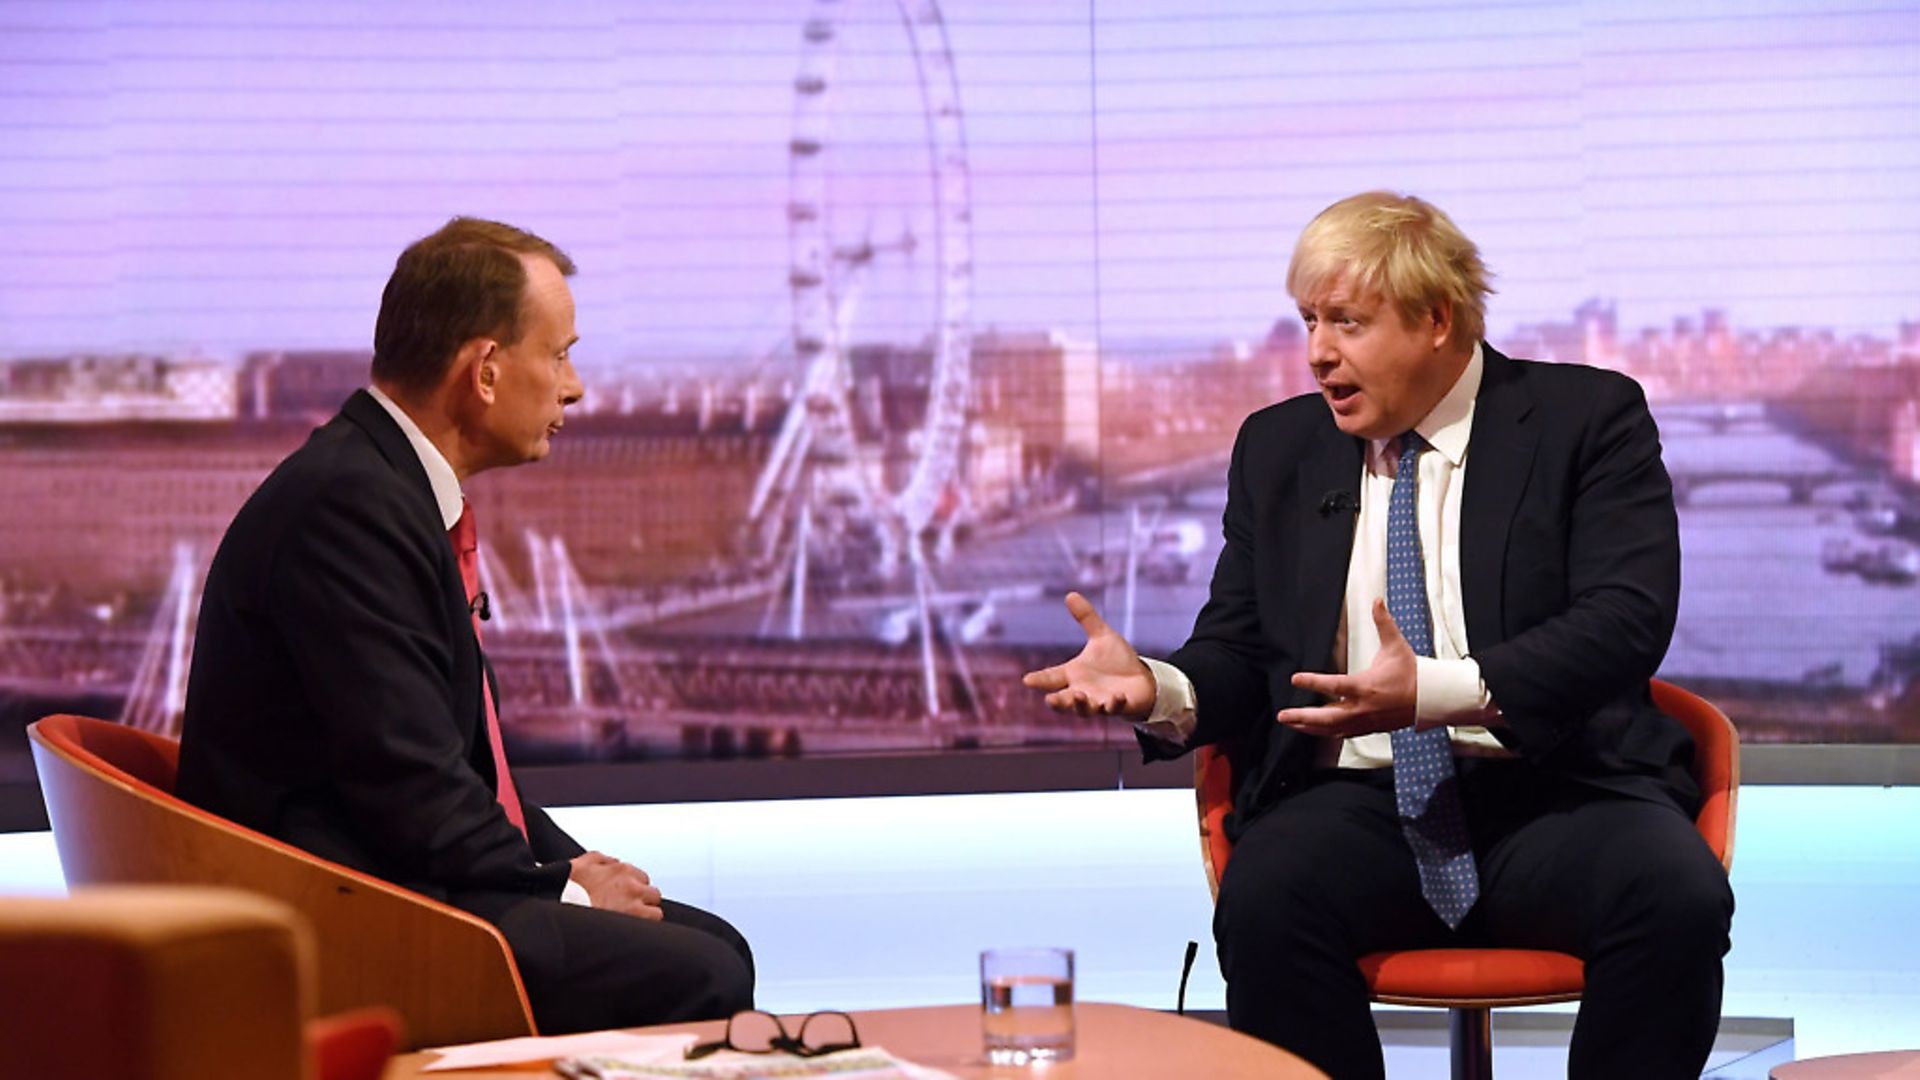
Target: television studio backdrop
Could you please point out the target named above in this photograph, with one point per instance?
(899, 320)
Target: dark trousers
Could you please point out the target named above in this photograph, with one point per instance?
(1326, 876)
(585, 969)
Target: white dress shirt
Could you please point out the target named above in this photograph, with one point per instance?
(1449, 688)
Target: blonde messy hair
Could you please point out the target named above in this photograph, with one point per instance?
(1403, 248)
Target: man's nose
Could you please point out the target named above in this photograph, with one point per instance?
(1320, 347)
(571, 389)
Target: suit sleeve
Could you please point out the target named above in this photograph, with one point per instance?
(1622, 582)
(1226, 657)
(357, 591)
(549, 841)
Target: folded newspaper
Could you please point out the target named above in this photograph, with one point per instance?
(862, 1063)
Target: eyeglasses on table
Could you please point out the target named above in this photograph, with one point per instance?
(756, 1032)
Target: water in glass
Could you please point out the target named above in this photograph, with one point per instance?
(1028, 1018)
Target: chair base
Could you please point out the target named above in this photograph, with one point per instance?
(1470, 1034)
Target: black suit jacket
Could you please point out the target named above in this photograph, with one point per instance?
(335, 699)
(1570, 574)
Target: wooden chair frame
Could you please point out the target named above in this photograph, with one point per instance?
(108, 790)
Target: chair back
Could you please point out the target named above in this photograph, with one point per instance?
(1716, 763)
(172, 982)
(1716, 768)
(1213, 789)
(109, 795)
(153, 983)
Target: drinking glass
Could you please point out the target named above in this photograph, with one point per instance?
(1026, 1005)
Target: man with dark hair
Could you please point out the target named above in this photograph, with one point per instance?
(463, 282)
(339, 698)
(1447, 579)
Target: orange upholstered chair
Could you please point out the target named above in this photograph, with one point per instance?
(1472, 982)
(109, 795)
(172, 982)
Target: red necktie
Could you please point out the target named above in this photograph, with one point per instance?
(465, 535)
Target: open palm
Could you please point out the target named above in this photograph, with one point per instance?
(1107, 678)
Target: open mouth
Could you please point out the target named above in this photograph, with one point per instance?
(1338, 392)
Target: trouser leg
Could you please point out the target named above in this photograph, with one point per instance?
(1629, 886)
(1316, 882)
(586, 969)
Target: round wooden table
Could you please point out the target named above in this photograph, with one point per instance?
(1885, 1065)
(1111, 1042)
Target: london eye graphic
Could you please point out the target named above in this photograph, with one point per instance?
(880, 259)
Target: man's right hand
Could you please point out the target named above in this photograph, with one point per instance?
(1107, 679)
(616, 886)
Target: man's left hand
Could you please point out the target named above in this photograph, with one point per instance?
(1381, 698)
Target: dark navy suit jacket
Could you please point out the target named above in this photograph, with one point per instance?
(1570, 575)
(335, 698)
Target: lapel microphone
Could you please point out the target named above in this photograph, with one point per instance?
(479, 606)
(1338, 502)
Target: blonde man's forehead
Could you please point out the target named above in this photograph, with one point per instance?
(1333, 281)
(1338, 290)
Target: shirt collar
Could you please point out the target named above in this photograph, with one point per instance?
(1448, 426)
(440, 475)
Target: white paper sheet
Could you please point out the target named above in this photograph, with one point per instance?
(483, 1055)
(860, 1063)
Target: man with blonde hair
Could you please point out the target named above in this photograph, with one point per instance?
(1448, 577)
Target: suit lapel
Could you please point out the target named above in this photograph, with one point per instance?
(1325, 536)
(470, 665)
(368, 416)
(1499, 461)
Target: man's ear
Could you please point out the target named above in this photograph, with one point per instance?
(479, 360)
(1442, 329)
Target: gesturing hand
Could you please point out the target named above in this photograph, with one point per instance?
(1107, 679)
(616, 886)
(1381, 698)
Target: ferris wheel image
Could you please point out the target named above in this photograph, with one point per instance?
(862, 485)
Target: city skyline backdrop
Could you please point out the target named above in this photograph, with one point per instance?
(1030, 260)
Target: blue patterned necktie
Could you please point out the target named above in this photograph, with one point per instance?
(1426, 789)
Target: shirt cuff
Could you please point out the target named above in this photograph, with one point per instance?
(575, 893)
(1450, 692)
(1174, 705)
